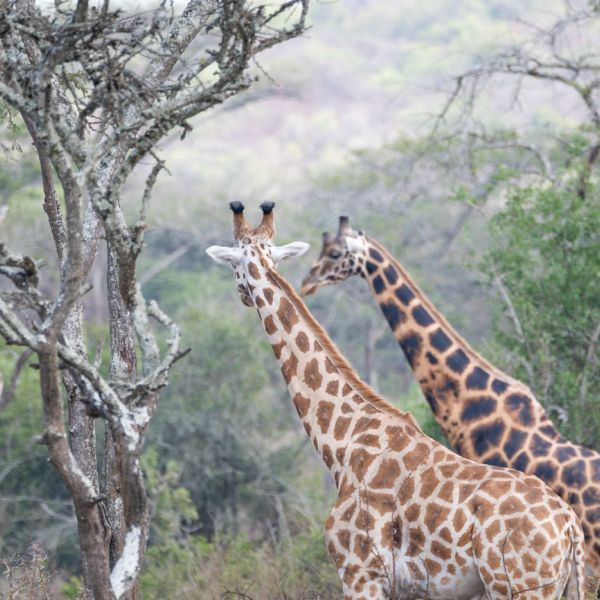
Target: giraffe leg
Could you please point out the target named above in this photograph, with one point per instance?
(505, 575)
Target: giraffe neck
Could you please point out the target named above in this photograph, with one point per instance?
(460, 386)
(332, 402)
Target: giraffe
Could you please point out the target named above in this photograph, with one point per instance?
(486, 415)
(412, 519)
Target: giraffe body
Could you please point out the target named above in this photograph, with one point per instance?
(412, 519)
(449, 529)
(486, 415)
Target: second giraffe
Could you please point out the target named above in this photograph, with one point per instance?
(486, 415)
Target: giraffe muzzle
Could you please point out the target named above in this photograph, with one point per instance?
(308, 287)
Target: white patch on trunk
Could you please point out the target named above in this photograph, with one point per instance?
(87, 482)
(141, 417)
(132, 422)
(130, 428)
(127, 565)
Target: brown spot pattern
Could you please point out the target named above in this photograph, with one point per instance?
(269, 324)
(253, 270)
(277, 348)
(302, 342)
(360, 461)
(386, 475)
(287, 314)
(312, 375)
(324, 414)
(289, 367)
(302, 404)
(341, 427)
(332, 387)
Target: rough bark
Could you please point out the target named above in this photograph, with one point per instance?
(97, 90)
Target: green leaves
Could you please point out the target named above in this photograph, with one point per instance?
(546, 255)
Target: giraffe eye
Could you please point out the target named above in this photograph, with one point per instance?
(335, 254)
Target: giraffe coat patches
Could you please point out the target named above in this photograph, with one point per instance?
(404, 294)
(499, 387)
(327, 456)
(478, 408)
(521, 405)
(289, 367)
(333, 387)
(378, 284)
(392, 313)
(439, 340)
(302, 342)
(421, 316)
(521, 462)
(539, 446)
(458, 361)
(514, 443)
(487, 436)
(390, 274)
(477, 379)
(431, 358)
(375, 254)
(432, 402)
(324, 414)
(573, 474)
(277, 348)
(269, 325)
(287, 314)
(341, 427)
(546, 471)
(312, 375)
(253, 270)
(411, 346)
(371, 267)
(388, 472)
(360, 461)
(302, 404)
(268, 294)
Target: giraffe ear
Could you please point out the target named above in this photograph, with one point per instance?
(224, 255)
(292, 250)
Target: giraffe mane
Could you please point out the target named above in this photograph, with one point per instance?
(336, 357)
(494, 371)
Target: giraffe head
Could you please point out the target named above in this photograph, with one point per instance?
(253, 245)
(343, 254)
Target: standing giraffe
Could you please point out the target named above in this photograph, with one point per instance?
(412, 519)
(486, 415)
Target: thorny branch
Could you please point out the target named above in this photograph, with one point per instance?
(97, 90)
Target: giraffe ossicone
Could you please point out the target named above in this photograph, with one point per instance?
(486, 415)
(412, 519)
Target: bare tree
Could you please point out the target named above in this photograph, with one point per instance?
(562, 51)
(97, 89)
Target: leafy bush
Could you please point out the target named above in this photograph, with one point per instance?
(545, 260)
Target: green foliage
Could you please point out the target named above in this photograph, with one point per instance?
(33, 506)
(171, 503)
(545, 254)
(297, 568)
(220, 423)
(414, 403)
(72, 589)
